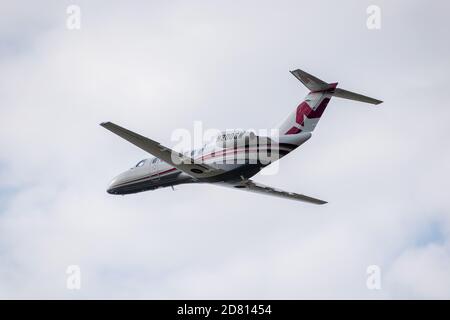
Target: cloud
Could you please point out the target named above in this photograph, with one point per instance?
(158, 67)
(421, 273)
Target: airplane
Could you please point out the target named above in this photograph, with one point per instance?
(212, 164)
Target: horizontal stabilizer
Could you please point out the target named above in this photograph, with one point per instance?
(341, 93)
(311, 82)
(316, 85)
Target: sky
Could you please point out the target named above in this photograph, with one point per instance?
(155, 67)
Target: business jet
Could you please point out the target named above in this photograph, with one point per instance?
(231, 158)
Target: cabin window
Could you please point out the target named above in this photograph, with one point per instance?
(140, 163)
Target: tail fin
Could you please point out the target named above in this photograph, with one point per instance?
(308, 113)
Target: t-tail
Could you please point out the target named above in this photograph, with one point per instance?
(309, 111)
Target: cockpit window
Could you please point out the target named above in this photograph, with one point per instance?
(140, 163)
(154, 160)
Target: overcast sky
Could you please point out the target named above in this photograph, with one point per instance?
(158, 66)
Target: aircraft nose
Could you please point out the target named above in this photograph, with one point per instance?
(112, 186)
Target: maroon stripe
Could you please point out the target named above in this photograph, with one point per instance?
(293, 130)
(229, 151)
(158, 173)
(211, 155)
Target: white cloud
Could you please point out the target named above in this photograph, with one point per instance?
(421, 273)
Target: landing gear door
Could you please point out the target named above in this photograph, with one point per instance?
(154, 166)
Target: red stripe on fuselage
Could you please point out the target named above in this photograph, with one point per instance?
(215, 154)
(218, 153)
(143, 178)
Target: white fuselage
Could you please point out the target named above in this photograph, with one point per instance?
(237, 160)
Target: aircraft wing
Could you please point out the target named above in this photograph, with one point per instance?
(250, 185)
(176, 159)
